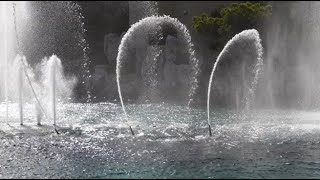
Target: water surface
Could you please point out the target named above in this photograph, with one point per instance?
(171, 142)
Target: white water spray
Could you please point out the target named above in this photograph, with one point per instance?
(20, 90)
(250, 36)
(53, 64)
(149, 24)
(150, 77)
(56, 84)
(4, 20)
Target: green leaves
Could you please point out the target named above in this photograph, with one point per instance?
(205, 23)
(232, 19)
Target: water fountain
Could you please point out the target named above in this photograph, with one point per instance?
(53, 64)
(94, 142)
(26, 89)
(291, 77)
(20, 87)
(148, 25)
(247, 36)
(39, 26)
(5, 35)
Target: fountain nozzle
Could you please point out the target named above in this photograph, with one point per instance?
(55, 129)
(210, 133)
(131, 131)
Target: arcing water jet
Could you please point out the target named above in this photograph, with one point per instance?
(251, 36)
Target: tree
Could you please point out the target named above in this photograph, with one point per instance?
(230, 20)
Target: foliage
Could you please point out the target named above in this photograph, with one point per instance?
(232, 19)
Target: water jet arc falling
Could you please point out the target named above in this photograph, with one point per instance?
(250, 35)
(151, 22)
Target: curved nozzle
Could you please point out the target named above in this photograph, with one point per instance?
(210, 133)
(55, 129)
(131, 131)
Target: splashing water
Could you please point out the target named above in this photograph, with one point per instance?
(12, 81)
(13, 86)
(85, 69)
(61, 30)
(7, 51)
(55, 83)
(146, 25)
(22, 63)
(250, 36)
(149, 70)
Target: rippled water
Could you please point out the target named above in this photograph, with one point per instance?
(171, 142)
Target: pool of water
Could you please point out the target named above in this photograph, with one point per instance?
(171, 141)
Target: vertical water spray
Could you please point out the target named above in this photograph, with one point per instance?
(85, 68)
(246, 36)
(57, 85)
(20, 90)
(153, 23)
(23, 60)
(4, 20)
(53, 64)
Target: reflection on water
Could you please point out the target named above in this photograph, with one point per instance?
(170, 142)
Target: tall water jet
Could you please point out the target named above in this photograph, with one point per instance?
(53, 64)
(20, 90)
(56, 86)
(250, 37)
(5, 24)
(150, 24)
(21, 6)
(61, 30)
